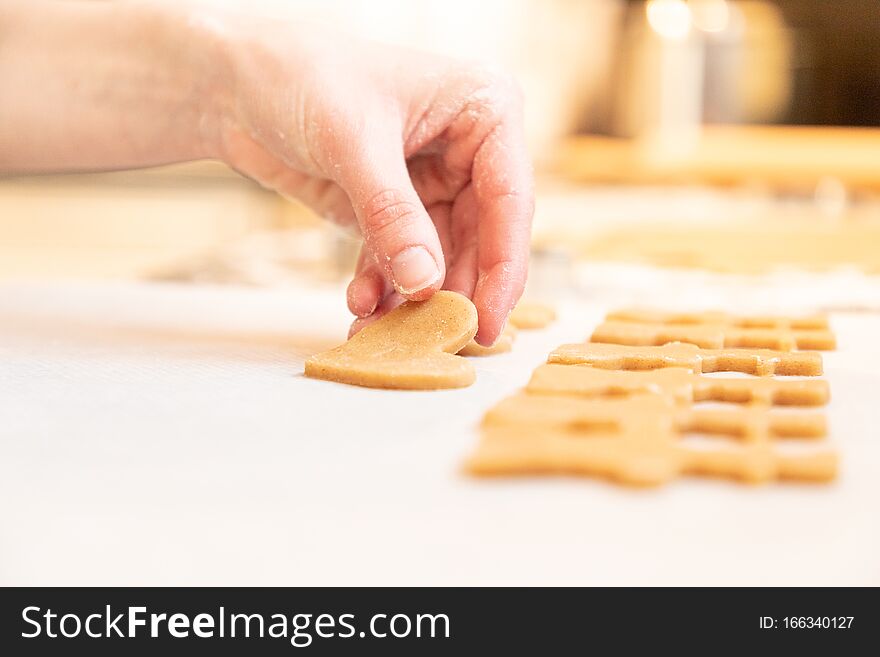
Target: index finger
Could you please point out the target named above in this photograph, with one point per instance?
(504, 190)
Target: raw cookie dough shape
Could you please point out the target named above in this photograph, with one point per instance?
(761, 362)
(647, 412)
(502, 345)
(621, 406)
(636, 441)
(678, 384)
(638, 459)
(646, 316)
(412, 347)
(531, 315)
(712, 336)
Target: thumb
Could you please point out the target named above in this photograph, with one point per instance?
(396, 227)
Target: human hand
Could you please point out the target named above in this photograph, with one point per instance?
(423, 155)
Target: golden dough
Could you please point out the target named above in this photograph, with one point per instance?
(638, 459)
(582, 416)
(531, 315)
(645, 316)
(761, 362)
(637, 441)
(675, 383)
(712, 336)
(648, 412)
(412, 347)
(752, 423)
(620, 407)
(502, 345)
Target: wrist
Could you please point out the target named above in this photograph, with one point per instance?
(192, 72)
(250, 77)
(203, 39)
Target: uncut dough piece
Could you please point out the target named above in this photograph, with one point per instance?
(531, 315)
(412, 347)
(679, 384)
(761, 362)
(502, 345)
(646, 316)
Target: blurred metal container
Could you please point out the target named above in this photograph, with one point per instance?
(685, 63)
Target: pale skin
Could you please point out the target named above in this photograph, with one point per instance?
(423, 155)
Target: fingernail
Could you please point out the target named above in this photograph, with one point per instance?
(413, 270)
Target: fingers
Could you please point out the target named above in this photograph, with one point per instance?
(503, 188)
(484, 162)
(484, 166)
(396, 227)
(461, 276)
(367, 288)
(388, 304)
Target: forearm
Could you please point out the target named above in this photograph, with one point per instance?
(95, 85)
(423, 154)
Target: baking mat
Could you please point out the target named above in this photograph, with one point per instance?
(163, 434)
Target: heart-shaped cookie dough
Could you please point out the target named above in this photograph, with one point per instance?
(412, 347)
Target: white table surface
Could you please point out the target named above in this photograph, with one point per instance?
(165, 435)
